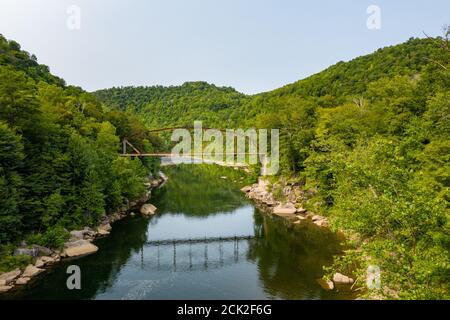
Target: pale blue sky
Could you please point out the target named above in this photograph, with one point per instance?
(252, 45)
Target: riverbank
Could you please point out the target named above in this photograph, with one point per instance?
(79, 243)
(291, 209)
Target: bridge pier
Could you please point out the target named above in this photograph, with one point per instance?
(206, 256)
(190, 256)
(174, 257)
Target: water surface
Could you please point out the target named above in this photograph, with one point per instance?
(206, 242)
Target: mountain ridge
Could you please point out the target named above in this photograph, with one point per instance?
(330, 87)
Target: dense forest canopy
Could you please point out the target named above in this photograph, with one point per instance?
(59, 146)
(368, 137)
(176, 105)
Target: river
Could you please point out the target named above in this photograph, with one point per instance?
(206, 242)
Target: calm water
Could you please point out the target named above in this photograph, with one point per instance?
(189, 250)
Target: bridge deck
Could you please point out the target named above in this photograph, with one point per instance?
(186, 155)
(200, 240)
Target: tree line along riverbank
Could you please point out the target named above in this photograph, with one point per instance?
(78, 243)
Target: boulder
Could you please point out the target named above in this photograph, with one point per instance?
(43, 251)
(284, 210)
(48, 260)
(301, 210)
(114, 217)
(326, 284)
(246, 189)
(10, 276)
(39, 263)
(31, 271)
(76, 235)
(102, 232)
(143, 199)
(22, 280)
(42, 261)
(88, 232)
(5, 288)
(105, 227)
(79, 248)
(76, 243)
(319, 220)
(340, 279)
(133, 204)
(322, 223)
(269, 202)
(123, 208)
(148, 209)
(56, 253)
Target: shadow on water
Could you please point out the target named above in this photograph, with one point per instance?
(290, 257)
(98, 271)
(188, 251)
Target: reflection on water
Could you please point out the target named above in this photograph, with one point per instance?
(207, 242)
(198, 191)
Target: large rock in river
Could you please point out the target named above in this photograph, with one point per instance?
(104, 229)
(340, 279)
(148, 209)
(31, 271)
(8, 277)
(22, 280)
(43, 251)
(42, 261)
(79, 248)
(325, 284)
(105, 226)
(285, 210)
(5, 288)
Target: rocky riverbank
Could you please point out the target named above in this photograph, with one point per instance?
(292, 210)
(79, 243)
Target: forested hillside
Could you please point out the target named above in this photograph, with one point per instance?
(177, 105)
(368, 138)
(59, 163)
